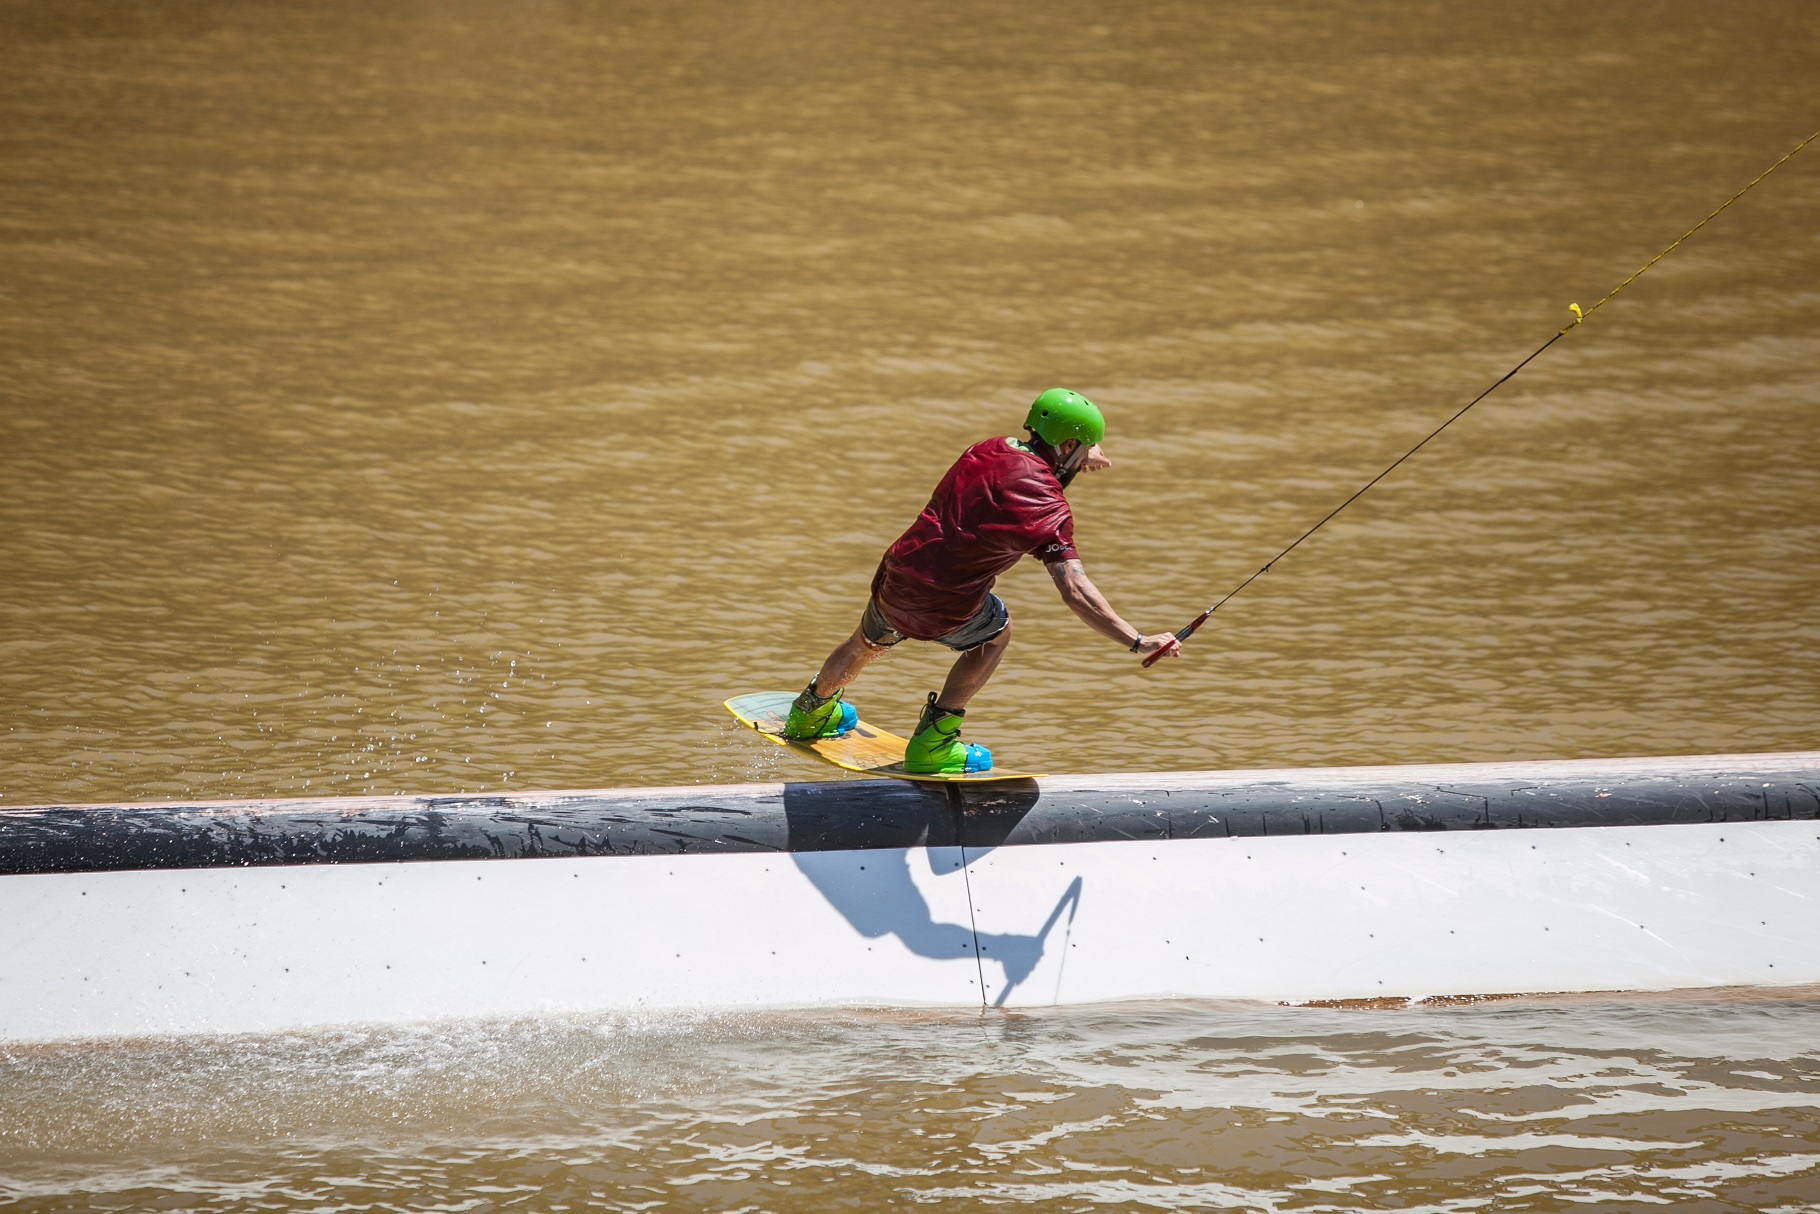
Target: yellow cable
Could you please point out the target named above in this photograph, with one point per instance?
(1580, 316)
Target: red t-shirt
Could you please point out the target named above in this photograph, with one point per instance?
(999, 503)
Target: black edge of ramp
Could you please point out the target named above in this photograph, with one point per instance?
(1080, 812)
(874, 814)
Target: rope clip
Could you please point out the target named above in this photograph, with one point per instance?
(1578, 315)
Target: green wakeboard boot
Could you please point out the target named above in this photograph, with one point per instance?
(936, 749)
(817, 716)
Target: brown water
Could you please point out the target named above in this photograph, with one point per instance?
(369, 366)
(435, 396)
(1583, 1105)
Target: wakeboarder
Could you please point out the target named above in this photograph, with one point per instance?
(1002, 500)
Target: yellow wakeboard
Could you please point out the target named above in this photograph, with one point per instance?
(864, 748)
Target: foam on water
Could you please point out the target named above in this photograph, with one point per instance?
(1533, 1105)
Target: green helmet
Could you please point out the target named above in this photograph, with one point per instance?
(1059, 415)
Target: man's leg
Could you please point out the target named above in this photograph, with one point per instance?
(936, 747)
(818, 712)
(970, 670)
(844, 665)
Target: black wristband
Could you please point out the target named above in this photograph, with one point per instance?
(1136, 643)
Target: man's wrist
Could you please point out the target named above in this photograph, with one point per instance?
(1137, 641)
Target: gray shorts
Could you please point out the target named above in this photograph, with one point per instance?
(986, 624)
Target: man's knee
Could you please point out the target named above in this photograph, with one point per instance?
(864, 644)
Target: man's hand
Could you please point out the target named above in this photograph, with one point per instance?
(1096, 459)
(1164, 641)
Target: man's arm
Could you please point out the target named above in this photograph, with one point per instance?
(1086, 601)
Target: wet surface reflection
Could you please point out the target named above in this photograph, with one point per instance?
(1705, 1104)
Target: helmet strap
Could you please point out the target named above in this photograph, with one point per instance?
(1065, 469)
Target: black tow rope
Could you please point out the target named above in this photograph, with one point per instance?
(1194, 625)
